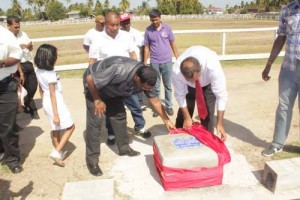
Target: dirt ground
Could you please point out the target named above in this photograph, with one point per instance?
(249, 122)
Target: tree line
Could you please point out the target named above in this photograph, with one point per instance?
(55, 10)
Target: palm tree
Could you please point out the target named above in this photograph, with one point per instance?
(16, 8)
(124, 5)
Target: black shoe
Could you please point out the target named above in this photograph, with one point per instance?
(170, 111)
(145, 134)
(110, 142)
(95, 169)
(2, 156)
(130, 152)
(17, 168)
(26, 110)
(155, 114)
(34, 115)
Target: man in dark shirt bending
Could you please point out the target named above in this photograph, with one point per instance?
(106, 83)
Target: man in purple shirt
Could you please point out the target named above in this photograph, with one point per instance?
(160, 42)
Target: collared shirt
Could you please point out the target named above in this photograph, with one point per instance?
(91, 36)
(23, 38)
(211, 73)
(113, 77)
(289, 26)
(8, 48)
(159, 43)
(138, 39)
(107, 46)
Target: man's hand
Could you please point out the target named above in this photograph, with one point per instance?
(187, 123)
(170, 125)
(265, 73)
(100, 108)
(221, 131)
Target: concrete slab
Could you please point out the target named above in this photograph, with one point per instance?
(89, 190)
(282, 175)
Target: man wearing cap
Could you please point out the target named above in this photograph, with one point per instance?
(93, 33)
(138, 38)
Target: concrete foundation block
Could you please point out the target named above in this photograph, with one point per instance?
(89, 190)
(282, 175)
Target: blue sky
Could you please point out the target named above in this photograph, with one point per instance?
(5, 4)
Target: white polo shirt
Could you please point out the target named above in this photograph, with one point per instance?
(8, 48)
(211, 73)
(23, 38)
(138, 39)
(91, 35)
(107, 46)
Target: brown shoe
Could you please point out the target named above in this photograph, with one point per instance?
(130, 152)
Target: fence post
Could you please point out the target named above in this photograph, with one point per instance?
(223, 43)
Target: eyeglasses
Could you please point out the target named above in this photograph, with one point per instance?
(145, 86)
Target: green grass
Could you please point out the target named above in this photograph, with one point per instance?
(71, 51)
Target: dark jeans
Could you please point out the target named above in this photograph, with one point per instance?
(9, 136)
(116, 114)
(30, 85)
(133, 104)
(210, 100)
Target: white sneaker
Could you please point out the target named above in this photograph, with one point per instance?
(56, 157)
(63, 154)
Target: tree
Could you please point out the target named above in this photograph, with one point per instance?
(144, 8)
(89, 5)
(55, 10)
(27, 15)
(124, 5)
(16, 8)
(98, 10)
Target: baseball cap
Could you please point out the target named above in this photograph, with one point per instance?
(124, 17)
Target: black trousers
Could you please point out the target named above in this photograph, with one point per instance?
(210, 100)
(8, 113)
(116, 114)
(30, 85)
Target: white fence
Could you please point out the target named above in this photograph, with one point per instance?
(223, 56)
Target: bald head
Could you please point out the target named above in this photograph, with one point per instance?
(189, 66)
(112, 24)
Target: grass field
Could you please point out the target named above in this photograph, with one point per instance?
(71, 51)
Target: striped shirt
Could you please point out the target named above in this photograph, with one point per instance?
(289, 26)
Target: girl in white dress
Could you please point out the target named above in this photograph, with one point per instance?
(53, 103)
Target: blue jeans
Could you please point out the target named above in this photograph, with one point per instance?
(164, 71)
(133, 104)
(289, 87)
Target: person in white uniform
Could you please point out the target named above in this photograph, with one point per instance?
(93, 33)
(10, 56)
(53, 102)
(30, 83)
(198, 63)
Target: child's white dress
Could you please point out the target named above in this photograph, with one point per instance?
(44, 78)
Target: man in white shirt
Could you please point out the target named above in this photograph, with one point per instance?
(30, 83)
(10, 56)
(200, 63)
(93, 33)
(138, 39)
(113, 42)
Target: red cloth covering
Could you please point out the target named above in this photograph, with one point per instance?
(176, 178)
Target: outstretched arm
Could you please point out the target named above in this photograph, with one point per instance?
(157, 106)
